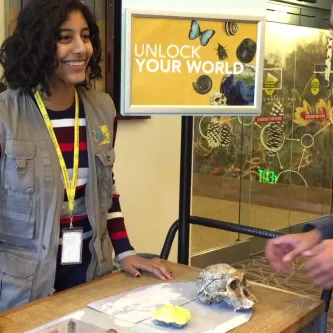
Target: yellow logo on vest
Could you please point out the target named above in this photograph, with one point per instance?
(102, 135)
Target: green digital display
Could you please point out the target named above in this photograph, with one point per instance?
(267, 176)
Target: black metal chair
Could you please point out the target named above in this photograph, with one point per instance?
(321, 322)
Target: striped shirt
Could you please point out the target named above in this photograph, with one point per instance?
(63, 125)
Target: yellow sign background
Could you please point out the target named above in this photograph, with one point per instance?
(160, 88)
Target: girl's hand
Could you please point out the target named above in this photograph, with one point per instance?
(132, 265)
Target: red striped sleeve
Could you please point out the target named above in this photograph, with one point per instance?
(116, 223)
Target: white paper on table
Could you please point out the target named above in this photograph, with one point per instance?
(124, 311)
(137, 305)
(102, 322)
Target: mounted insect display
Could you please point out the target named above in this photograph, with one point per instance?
(208, 64)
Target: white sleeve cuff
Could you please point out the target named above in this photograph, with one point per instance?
(123, 255)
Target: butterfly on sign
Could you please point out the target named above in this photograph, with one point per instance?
(195, 32)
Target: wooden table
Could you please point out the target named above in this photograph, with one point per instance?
(278, 311)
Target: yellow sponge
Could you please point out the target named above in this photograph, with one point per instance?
(172, 316)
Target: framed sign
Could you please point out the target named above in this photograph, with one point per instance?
(181, 63)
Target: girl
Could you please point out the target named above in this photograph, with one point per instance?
(60, 215)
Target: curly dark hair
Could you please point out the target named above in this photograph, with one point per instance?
(28, 56)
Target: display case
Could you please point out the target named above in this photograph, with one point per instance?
(273, 171)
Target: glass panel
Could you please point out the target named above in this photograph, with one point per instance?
(311, 184)
(292, 138)
(275, 170)
(296, 164)
(248, 171)
(215, 181)
(271, 148)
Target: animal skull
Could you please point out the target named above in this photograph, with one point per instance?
(217, 99)
(223, 283)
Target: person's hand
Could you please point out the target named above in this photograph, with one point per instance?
(133, 264)
(320, 266)
(283, 250)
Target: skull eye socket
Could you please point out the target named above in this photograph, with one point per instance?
(234, 284)
(246, 292)
(217, 99)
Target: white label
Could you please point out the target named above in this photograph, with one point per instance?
(71, 247)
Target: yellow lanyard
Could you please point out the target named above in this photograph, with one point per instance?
(70, 187)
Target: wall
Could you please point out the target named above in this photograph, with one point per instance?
(148, 152)
(147, 173)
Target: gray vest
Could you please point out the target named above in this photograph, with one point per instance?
(31, 195)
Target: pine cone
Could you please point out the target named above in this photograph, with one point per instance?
(275, 130)
(214, 134)
(225, 136)
(274, 138)
(328, 60)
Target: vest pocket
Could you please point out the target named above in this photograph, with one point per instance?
(19, 166)
(104, 164)
(17, 217)
(16, 277)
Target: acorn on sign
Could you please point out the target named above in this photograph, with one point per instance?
(246, 50)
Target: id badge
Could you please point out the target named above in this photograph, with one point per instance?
(71, 251)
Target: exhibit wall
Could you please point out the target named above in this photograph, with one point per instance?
(275, 170)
